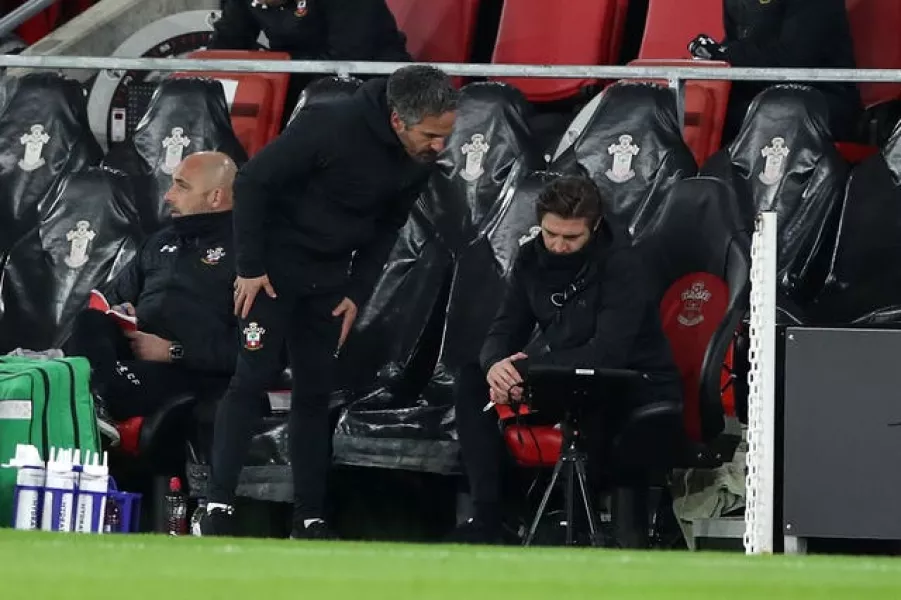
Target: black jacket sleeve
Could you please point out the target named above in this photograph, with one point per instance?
(215, 351)
(236, 29)
(283, 164)
(621, 311)
(369, 261)
(512, 326)
(126, 286)
(806, 30)
(358, 30)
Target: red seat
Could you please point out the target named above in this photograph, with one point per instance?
(259, 101)
(38, 26)
(670, 26)
(575, 32)
(856, 153)
(437, 30)
(618, 31)
(874, 26)
(706, 102)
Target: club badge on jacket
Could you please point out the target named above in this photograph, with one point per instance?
(301, 10)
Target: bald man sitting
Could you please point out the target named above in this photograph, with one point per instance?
(179, 286)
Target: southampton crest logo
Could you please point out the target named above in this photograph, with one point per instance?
(175, 146)
(775, 156)
(34, 146)
(79, 239)
(253, 337)
(475, 152)
(213, 256)
(622, 153)
(693, 301)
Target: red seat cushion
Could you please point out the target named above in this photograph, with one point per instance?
(534, 445)
(130, 433)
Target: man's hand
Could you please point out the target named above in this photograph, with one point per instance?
(503, 379)
(349, 310)
(705, 47)
(246, 291)
(146, 346)
(126, 308)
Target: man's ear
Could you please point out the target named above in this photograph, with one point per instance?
(396, 123)
(216, 200)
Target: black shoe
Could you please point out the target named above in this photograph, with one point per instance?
(211, 522)
(105, 423)
(475, 531)
(316, 530)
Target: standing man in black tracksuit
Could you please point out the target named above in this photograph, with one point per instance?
(583, 284)
(179, 287)
(312, 30)
(787, 34)
(316, 214)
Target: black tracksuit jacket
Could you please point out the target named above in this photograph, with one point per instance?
(181, 283)
(793, 34)
(612, 321)
(337, 184)
(315, 29)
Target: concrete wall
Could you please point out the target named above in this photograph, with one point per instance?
(100, 30)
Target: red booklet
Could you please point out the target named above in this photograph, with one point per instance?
(98, 301)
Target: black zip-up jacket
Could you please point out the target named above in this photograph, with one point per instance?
(335, 182)
(181, 284)
(315, 29)
(612, 321)
(792, 34)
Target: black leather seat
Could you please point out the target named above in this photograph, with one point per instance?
(784, 159)
(698, 250)
(458, 244)
(629, 143)
(863, 284)
(185, 115)
(325, 90)
(44, 136)
(87, 230)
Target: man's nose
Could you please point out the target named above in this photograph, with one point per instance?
(438, 144)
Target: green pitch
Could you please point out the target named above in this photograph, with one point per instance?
(38, 566)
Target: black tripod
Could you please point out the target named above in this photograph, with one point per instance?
(572, 465)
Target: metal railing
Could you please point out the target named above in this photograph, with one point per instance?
(675, 76)
(22, 13)
(471, 70)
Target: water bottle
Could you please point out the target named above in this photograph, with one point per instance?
(176, 509)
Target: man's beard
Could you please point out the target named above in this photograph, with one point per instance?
(426, 156)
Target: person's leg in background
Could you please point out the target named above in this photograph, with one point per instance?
(98, 338)
(482, 448)
(239, 411)
(312, 346)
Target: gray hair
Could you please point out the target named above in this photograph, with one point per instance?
(419, 91)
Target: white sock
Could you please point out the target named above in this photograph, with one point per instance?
(308, 522)
(219, 506)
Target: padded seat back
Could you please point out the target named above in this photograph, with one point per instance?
(670, 26)
(44, 136)
(698, 251)
(185, 115)
(784, 159)
(88, 230)
(258, 100)
(864, 279)
(437, 30)
(631, 146)
(571, 32)
(705, 103)
(325, 91)
(874, 28)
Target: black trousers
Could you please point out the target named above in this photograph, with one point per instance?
(483, 448)
(306, 325)
(128, 387)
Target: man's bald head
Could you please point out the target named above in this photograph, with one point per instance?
(202, 183)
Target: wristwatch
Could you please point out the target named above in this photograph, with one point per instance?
(176, 352)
